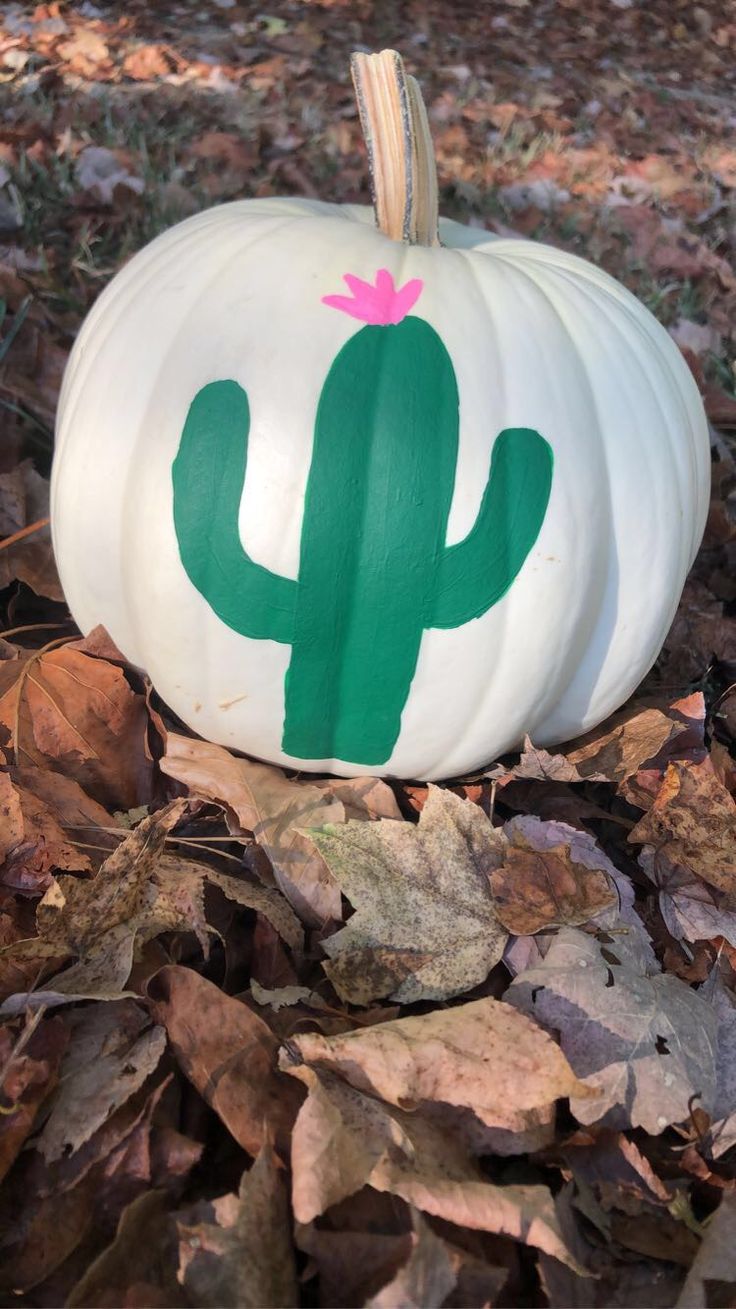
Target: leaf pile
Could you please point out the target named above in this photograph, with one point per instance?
(270, 1040)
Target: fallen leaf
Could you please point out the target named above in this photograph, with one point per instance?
(712, 1278)
(247, 1260)
(146, 62)
(138, 893)
(616, 1170)
(427, 1277)
(104, 175)
(425, 926)
(24, 499)
(131, 1270)
(263, 801)
(344, 1140)
(228, 1053)
(76, 714)
(536, 889)
(483, 1056)
(113, 1050)
(231, 162)
(39, 844)
(692, 824)
(690, 908)
(366, 1252)
(84, 50)
(647, 1042)
(618, 749)
(30, 1071)
(722, 1132)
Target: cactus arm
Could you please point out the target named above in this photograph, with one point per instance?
(478, 571)
(208, 475)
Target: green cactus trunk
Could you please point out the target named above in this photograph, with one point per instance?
(375, 518)
(374, 569)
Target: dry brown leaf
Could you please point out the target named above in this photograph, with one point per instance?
(646, 1041)
(41, 845)
(76, 714)
(344, 1140)
(182, 883)
(53, 1228)
(146, 62)
(712, 1278)
(620, 747)
(245, 1261)
(483, 1056)
(355, 1263)
(12, 826)
(138, 893)
(131, 1270)
(104, 175)
(79, 1197)
(228, 1053)
(424, 926)
(113, 1050)
(24, 499)
(692, 824)
(28, 1074)
(262, 800)
(536, 889)
(427, 1277)
(85, 49)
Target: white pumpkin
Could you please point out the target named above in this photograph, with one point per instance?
(242, 297)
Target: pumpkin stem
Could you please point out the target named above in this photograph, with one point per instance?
(399, 144)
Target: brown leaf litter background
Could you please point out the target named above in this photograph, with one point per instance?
(270, 1040)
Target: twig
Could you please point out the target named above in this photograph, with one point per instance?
(24, 531)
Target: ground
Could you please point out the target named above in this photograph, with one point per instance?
(242, 1065)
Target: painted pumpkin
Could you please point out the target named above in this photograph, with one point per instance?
(387, 527)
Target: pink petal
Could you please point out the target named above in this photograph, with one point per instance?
(378, 304)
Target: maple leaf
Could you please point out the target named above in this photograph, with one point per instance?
(535, 889)
(425, 926)
(646, 1041)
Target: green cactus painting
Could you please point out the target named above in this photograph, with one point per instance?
(375, 569)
